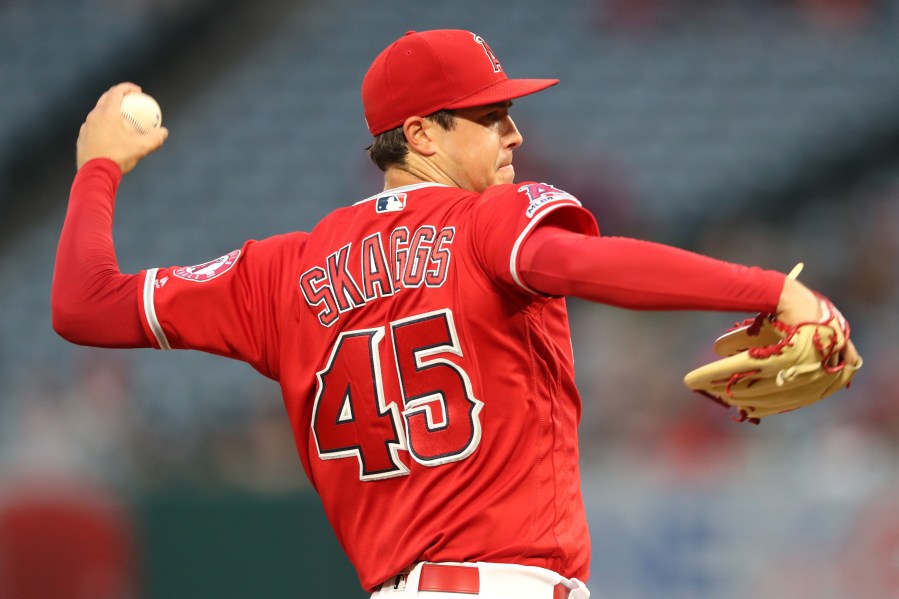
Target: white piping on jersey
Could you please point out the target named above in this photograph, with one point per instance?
(402, 189)
(513, 259)
(150, 310)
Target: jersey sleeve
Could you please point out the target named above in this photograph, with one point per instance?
(642, 275)
(229, 306)
(507, 214)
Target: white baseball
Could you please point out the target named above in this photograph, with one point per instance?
(142, 112)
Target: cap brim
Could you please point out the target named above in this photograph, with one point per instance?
(501, 91)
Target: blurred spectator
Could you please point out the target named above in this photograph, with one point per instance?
(632, 15)
(870, 560)
(65, 540)
(71, 424)
(839, 14)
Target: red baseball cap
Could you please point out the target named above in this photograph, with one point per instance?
(423, 72)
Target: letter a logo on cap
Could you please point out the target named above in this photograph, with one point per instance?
(493, 59)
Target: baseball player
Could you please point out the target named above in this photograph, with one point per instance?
(420, 335)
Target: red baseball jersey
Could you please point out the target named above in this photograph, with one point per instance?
(431, 392)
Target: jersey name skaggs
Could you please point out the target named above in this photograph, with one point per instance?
(378, 267)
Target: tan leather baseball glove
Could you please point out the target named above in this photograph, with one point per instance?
(769, 367)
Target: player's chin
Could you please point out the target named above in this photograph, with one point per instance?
(505, 174)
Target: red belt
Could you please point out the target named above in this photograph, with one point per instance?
(449, 579)
(461, 579)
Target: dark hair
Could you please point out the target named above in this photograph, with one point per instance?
(389, 148)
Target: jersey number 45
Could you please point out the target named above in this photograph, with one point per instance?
(438, 420)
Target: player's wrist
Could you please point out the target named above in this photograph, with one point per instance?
(797, 303)
(101, 164)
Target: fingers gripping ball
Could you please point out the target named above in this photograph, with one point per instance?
(769, 367)
(141, 112)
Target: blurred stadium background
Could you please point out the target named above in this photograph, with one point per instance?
(759, 131)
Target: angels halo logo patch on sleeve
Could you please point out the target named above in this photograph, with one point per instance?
(200, 273)
(540, 194)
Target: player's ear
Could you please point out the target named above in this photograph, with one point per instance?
(420, 137)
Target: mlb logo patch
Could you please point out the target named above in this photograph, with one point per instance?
(391, 203)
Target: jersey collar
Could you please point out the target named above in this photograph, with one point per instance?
(403, 189)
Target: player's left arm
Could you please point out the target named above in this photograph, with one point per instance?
(643, 275)
(557, 250)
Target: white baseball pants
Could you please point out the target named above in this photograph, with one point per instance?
(483, 580)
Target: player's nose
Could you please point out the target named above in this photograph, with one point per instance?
(512, 135)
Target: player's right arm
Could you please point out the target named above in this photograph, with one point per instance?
(92, 302)
(229, 311)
